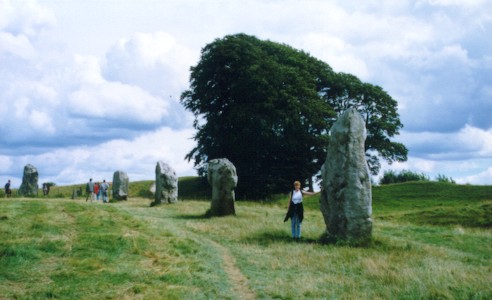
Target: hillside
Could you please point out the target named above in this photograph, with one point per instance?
(435, 203)
(426, 244)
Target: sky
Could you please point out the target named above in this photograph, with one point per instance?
(91, 87)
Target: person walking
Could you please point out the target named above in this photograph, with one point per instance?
(296, 210)
(46, 189)
(96, 190)
(8, 191)
(89, 188)
(104, 191)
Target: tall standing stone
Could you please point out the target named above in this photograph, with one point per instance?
(346, 200)
(223, 179)
(120, 185)
(166, 184)
(29, 185)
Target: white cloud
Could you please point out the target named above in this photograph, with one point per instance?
(468, 142)
(148, 49)
(16, 45)
(415, 164)
(5, 162)
(449, 54)
(483, 178)
(164, 144)
(41, 121)
(465, 156)
(337, 53)
(66, 99)
(27, 17)
(153, 61)
(86, 70)
(95, 96)
(117, 101)
(477, 140)
(137, 157)
(20, 25)
(471, 171)
(465, 3)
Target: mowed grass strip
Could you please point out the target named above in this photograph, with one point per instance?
(76, 250)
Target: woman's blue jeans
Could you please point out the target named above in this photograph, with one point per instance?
(296, 226)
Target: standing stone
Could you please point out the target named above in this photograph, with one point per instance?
(120, 185)
(346, 200)
(166, 184)
(29, 186)
(223, 179)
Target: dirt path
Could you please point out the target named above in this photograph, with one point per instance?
(238, 281)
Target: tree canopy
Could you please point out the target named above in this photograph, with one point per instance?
(380, 114)
(268, 107)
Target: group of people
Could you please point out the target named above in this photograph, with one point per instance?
(8, 190)
(96, 191)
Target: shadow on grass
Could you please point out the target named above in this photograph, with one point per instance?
(375, 243)
(193, 217)
(206, 215)
(266, 238)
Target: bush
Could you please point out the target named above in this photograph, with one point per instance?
(443, 178)
(404, 176)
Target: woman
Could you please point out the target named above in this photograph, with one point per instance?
(296, 210)
(96, 190)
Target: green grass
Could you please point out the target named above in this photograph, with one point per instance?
(434, 203)
(427, 244)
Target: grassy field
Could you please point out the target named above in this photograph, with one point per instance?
(430, 241)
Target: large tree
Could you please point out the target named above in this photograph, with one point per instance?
(260, 104)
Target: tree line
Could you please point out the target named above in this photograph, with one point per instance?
(390, 177)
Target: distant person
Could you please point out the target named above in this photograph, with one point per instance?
(89, 189)
(46, 189)
(296, 210)
(8, 191)
(104, 191)
(97, 190)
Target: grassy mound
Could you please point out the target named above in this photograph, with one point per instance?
(434, 203)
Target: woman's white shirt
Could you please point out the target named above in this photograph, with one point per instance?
(297, 197)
